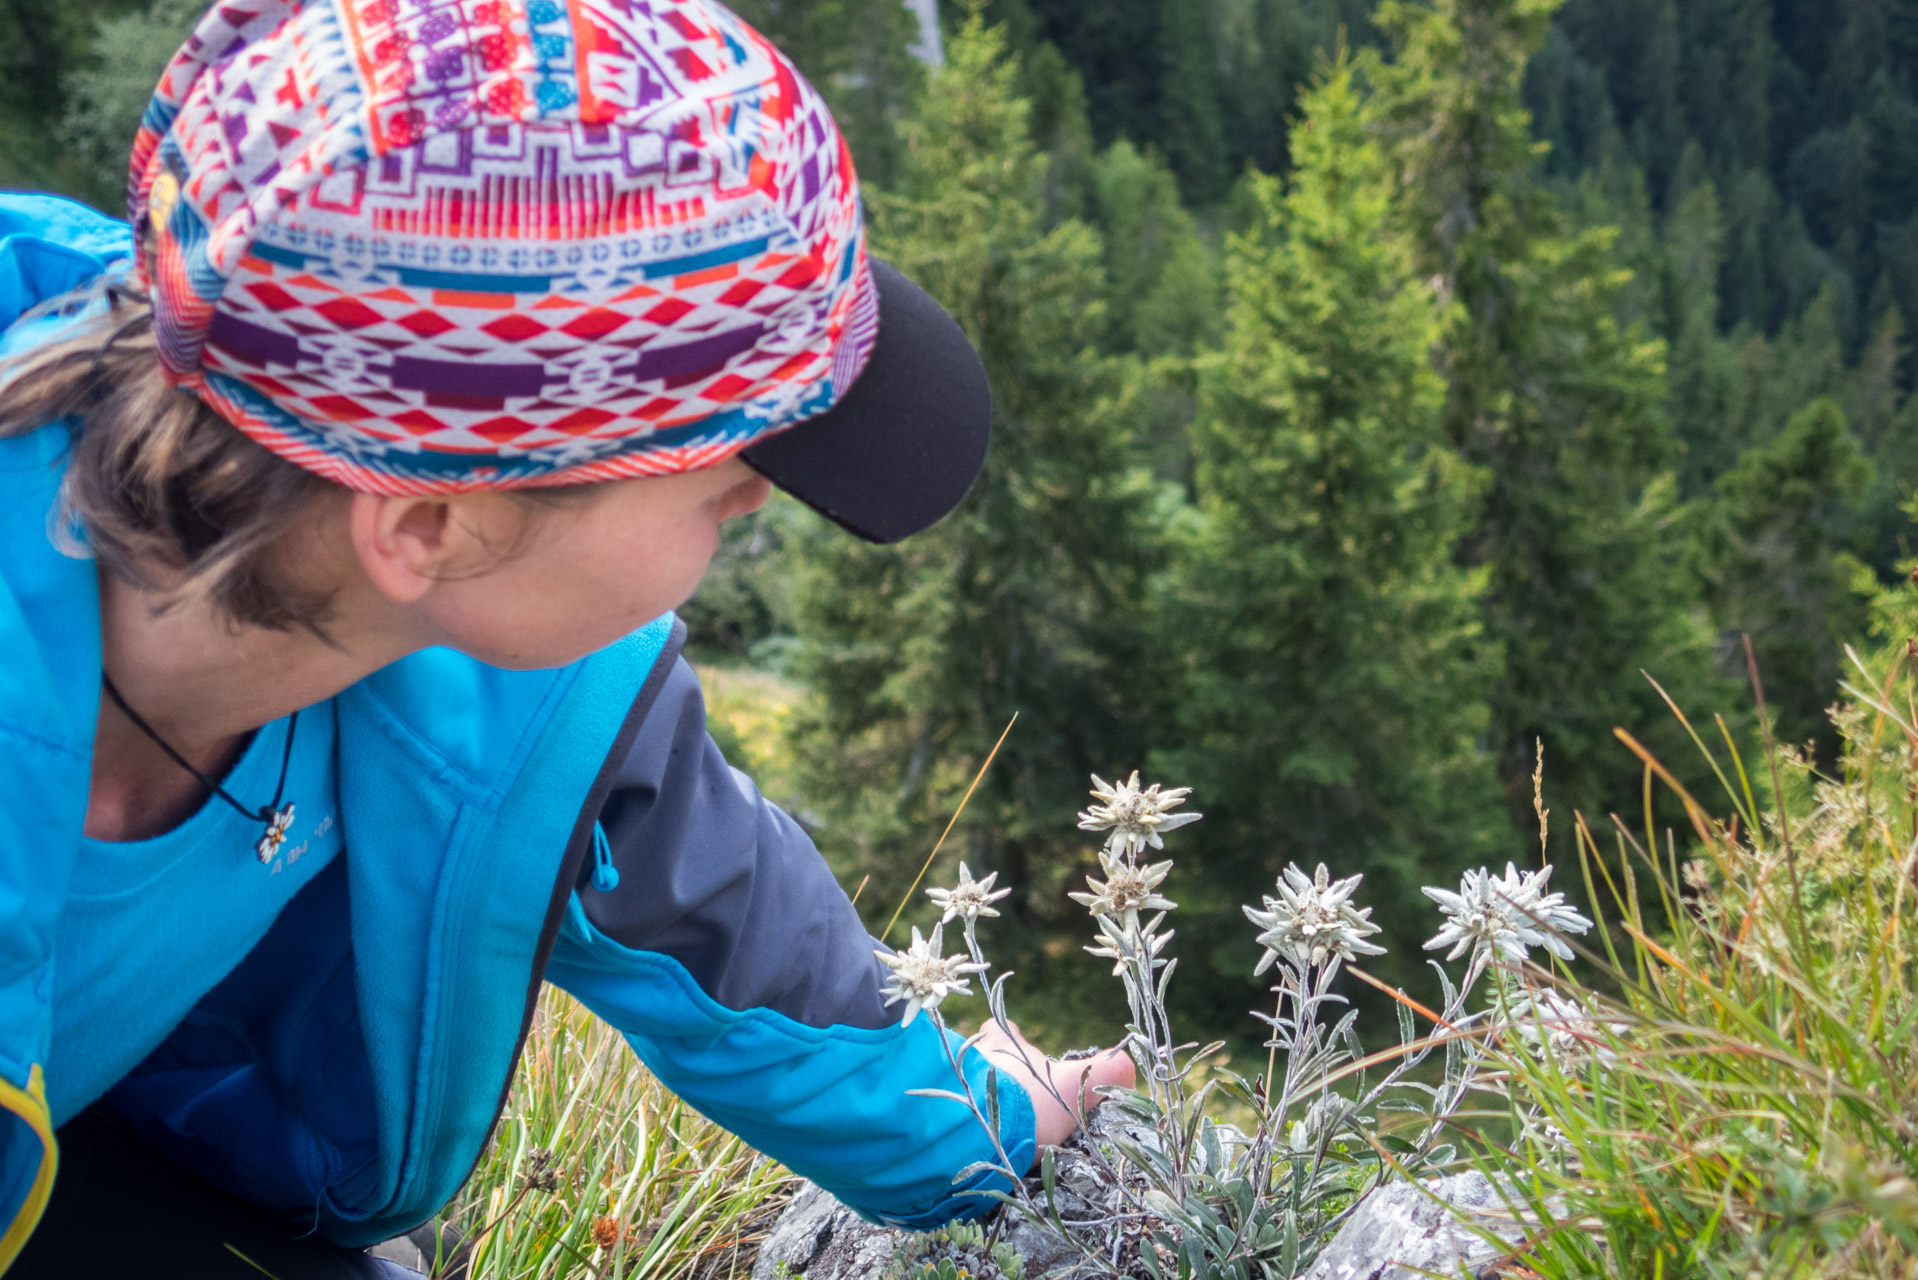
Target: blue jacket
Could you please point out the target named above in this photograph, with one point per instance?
(348, 1071)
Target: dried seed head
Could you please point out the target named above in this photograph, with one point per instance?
(538, 1173)
(606, 1231)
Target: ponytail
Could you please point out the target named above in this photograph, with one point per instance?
(166, 493)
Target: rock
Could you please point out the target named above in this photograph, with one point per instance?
(435, 1244)
(824, 1240)
(1400, 1232)
(1405, 1232)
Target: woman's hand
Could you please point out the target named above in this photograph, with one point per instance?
(1015, 1056)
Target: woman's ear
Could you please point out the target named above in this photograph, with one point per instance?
(405, 544)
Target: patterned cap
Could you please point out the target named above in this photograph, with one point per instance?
(423, 246)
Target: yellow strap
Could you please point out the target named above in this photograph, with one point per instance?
(30, 1104)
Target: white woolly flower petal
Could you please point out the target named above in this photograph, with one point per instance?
(969, 899)
(923, 977)
(1571, 1030)
(1134, 815)
(1312, 921)
(1126, 889)
(1504, 916)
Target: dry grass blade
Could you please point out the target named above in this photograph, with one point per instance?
(977, 778)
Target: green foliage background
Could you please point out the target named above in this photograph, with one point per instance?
(1380, 393)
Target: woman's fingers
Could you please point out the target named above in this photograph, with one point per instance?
(1057, 1095)
(1082, 1078)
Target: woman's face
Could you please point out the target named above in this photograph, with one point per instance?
(584, 572)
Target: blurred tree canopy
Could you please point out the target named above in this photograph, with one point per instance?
(1380, 388)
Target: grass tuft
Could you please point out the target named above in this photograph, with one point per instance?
(1753, 1108)
(597, 1171)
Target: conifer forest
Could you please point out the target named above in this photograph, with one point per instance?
(1385, 394)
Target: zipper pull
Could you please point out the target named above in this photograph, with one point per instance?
(605, 874)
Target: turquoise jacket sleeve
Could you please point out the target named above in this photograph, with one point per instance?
(729, 957)
(48, 246)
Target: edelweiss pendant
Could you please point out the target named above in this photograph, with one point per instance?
(277, 826)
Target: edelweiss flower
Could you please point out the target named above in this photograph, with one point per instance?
(922, 976)
(969, 899)
(1126, 890)
(1570, 1029)
(1504, 915)
(1313, 920)
(1136, 817)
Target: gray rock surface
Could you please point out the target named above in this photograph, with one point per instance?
(1400, 1232)
(821, 1239)
(1405, 1232)
(824, 1240)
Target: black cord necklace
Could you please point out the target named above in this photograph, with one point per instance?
(278, 819)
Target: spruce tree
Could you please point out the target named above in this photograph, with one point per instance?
(1028, 598)
(1152, 75)
(1164, 297)
(43, 45)
(1702, 366)
(1337, 668)
(1884, 416)
(1560, 403)
(1777, 562)
(1164, 289)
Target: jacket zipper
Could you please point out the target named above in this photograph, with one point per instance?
(586, 832)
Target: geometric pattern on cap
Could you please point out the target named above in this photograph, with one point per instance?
(430, 245)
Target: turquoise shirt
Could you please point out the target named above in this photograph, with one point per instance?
(148, 923)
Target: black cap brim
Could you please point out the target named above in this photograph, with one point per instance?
(902, 446)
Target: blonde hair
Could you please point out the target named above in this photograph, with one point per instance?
(171, 496)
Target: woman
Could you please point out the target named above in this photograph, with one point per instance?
(344, 497)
